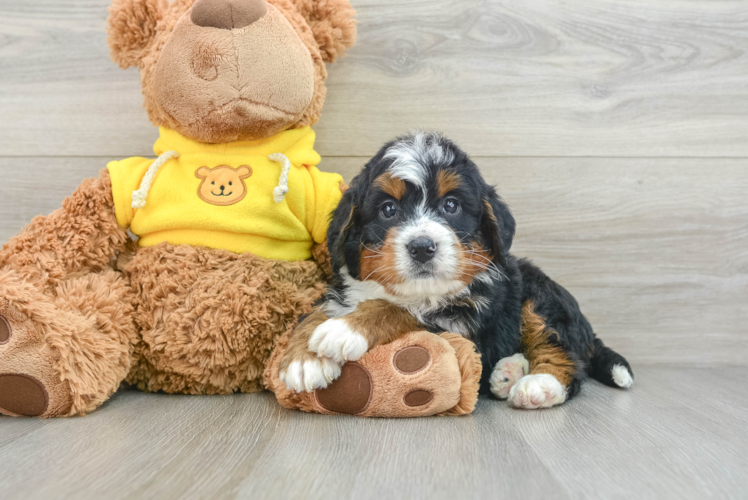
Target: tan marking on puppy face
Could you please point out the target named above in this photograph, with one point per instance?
(544, 356)
(446, 182)
(379, 264)
(473, 260)
(222, 185)
(390, 185)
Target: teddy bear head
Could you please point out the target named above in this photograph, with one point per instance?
(224, 70)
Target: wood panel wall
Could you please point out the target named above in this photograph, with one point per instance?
(617, 131)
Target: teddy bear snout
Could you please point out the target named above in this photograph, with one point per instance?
(227, 14)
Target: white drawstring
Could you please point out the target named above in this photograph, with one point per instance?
(139, 196)
(280, 191)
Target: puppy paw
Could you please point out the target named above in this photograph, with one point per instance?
(309, 373)
(540, 390)
(336, 340)
(506, 373)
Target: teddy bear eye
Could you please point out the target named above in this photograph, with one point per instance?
(213, 183)
(231, 184)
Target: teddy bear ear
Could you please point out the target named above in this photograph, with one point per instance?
(332, 24)
(244, 171)
(131, 26)
(202, 172)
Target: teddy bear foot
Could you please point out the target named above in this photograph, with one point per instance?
(419, 374)
(29, 383)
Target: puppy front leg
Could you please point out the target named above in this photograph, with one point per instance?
(349, 337)
(300, 369)
(319, 346)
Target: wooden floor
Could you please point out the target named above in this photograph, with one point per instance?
(680, 433)
(616, 131)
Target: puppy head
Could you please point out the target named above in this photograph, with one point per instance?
(421, 221)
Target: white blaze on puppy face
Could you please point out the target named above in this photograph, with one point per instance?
(412, 157)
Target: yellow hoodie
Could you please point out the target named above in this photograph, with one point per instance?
(224, 195)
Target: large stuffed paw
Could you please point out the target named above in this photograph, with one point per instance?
(418, 374)
(506, 373)
(30, 384)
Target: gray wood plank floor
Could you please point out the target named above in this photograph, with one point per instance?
(680, 433)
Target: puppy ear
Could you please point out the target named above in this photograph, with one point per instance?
(332, 24)
(131, 27)
(343, 220)
(497, 225)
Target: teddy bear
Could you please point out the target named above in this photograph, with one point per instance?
(229, 215)
(187, 273)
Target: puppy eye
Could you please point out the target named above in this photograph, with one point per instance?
(451, 206)
(213, 183)
(389, 210)
(230, 184)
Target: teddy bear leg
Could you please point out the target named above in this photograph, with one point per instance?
(418, 374)
(65, 354)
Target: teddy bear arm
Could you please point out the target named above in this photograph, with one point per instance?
(79, 238)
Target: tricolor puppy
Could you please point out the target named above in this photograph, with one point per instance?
(421, 241)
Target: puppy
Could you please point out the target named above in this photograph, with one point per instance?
(420, 240)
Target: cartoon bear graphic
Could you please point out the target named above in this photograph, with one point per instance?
(222, 185)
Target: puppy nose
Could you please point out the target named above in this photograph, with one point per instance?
(227, 14)
(422, 249)
(223, 187)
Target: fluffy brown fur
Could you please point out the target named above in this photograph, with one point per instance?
(225, 314)
(85, 308)
(80, 237)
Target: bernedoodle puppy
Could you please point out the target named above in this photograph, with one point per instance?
(419, 229)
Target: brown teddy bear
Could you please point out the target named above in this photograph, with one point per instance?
(228, 216)
(231, 220)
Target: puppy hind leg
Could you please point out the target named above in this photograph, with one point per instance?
(555, 374)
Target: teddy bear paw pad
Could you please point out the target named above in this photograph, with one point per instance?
(410, 360)
(5, 330)
(350, 393)
(30, 383)
(22, 395)
(418, 397)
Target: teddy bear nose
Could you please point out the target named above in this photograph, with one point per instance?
(227, 14)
